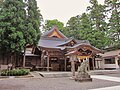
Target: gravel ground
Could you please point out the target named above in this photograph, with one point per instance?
(52, 84)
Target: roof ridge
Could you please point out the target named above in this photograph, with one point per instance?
(52, 30)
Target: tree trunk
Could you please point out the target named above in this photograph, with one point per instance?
(24, 57)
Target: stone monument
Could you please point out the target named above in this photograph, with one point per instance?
(82, 75)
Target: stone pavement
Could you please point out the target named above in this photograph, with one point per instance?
(55, 74)
(63, 83)
(109, 78)
(105, 81)
(108, 88)
(52, 74)
(35, 74)
(97, 74)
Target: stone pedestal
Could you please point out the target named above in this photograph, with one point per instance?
(83, 77)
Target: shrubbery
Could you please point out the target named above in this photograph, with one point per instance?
(15, 72)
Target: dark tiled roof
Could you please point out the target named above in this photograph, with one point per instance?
(50, 43)
(67, 41)
(56, 42)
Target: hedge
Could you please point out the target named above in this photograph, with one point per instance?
(15, 72)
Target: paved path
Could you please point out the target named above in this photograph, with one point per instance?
(100, 82)
(108, 88)
(109, 78)
(103, 77)
(36, 74)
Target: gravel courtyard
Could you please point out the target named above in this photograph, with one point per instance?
(52, 84)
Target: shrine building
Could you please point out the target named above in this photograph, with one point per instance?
(56, 52)
(59, 53)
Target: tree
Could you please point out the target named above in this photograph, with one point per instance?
(12, 24)
(1, 1)
(50, 23)
(113, 9)
(33, 23)
(19, 26)
(72, 27)
(86, 29)
(98, 19)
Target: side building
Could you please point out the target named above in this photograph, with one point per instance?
(108, 60)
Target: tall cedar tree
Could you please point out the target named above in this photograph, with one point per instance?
(72, 27)
(1, 1)
(97, 17)
(19, 26)
(113, 9)
(86, 29)
(33, 23)
(12, 25)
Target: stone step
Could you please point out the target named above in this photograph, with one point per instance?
(55, 75)
(35, 74)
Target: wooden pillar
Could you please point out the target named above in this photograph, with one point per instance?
(72, 66)
(65, 63)
(93, 63)
(24, 57)
(36, 60)
(48, 63)
(88, 64)
(116, 62)
(42, 59)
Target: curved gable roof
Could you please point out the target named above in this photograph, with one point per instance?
(54, 32)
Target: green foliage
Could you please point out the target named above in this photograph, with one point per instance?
(1, 1)
(91, 26)
(19, 25)
(82, 28)
(33, 23)
(12, 26)
(97, 17)
(15, 72)
(72, 27)
(50, 23)
(113, 9)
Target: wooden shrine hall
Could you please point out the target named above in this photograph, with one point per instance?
(56, 52)
(59, 53)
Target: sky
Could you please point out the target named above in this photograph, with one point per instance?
(62, 10)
